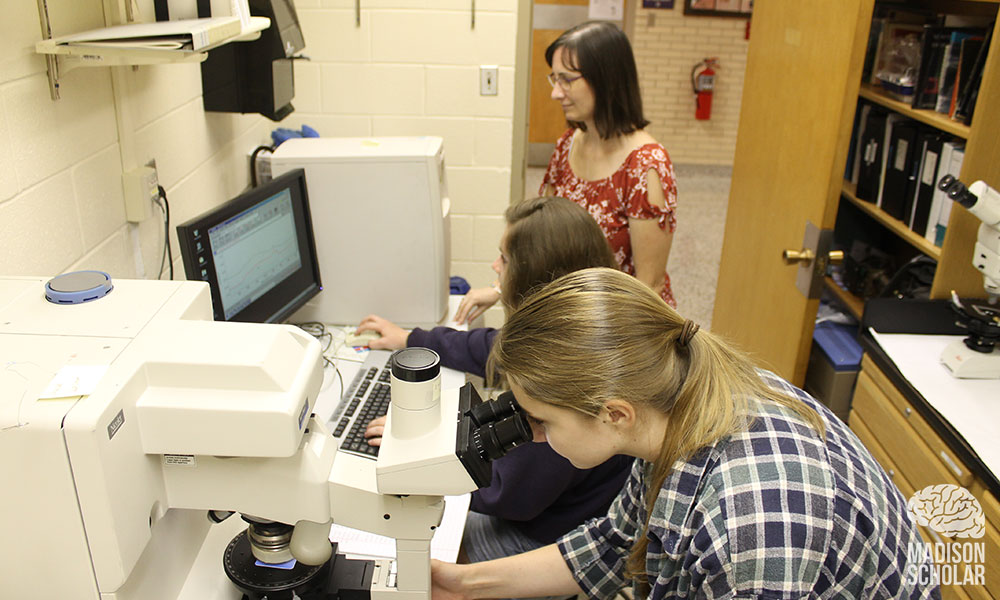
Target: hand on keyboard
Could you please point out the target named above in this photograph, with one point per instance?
(390, 335)
(374, 432)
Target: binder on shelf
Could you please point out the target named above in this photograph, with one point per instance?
(898, 168)
(969, 51)
(949, 69)
(926, 182)
(913, 174)
(185, 34)
(890, 122)
(970, 88)
(935, 41)
(851, 168)
(870, 155)
(952, 154)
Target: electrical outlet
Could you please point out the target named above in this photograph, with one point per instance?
(141, 187)
(488, 83)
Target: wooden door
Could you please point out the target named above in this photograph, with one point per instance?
(545, 117)
(802, 79)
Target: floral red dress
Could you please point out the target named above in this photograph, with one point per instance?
(614, 200)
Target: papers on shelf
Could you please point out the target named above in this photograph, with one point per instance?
(186, 34)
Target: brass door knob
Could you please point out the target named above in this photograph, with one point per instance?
(795, 256)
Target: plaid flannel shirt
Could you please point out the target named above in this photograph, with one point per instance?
(771, 512)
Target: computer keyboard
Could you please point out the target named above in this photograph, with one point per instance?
(365, 399)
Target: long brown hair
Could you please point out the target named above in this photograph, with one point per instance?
(546, 238)
(599, 334)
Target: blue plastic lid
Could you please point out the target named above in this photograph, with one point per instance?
(840, 345)
(78, 287)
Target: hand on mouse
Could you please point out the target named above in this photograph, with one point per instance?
(391, 336)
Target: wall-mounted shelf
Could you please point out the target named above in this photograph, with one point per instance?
(63, 56)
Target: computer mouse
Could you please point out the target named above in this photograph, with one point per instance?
(361, 339)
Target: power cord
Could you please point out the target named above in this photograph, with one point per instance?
(161, 201)
(319, 331)
(253, 163)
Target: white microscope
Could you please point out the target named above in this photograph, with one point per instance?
(978, 356)
(132, 426)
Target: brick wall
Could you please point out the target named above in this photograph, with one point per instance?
(667, 45)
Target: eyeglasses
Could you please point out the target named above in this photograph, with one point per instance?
(562, 80)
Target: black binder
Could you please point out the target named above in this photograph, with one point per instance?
(935, 41)
(898, 166)
(870, 156)
(926, 177)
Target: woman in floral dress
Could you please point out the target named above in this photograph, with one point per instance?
(606, 162)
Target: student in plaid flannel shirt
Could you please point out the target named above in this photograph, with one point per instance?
(745, 486)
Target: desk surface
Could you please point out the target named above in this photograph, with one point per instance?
(965, 412)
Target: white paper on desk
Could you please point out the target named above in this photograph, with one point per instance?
(444, 545)
(972, 406)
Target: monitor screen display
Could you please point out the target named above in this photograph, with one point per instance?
(256, 252)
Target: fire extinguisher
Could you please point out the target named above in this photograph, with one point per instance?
(702, 83)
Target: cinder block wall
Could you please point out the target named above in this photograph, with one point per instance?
(667, 45)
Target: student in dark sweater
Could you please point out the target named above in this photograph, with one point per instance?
(536, 495)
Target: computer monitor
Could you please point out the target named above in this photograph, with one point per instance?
(383, 206)
(256, 252)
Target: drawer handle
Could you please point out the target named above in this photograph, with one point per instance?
(908, 411)
(892, 473)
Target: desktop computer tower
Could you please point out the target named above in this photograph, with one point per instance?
(381, 220)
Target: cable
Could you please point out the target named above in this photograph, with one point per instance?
(253, 163)
(167, 251)
(319, 331)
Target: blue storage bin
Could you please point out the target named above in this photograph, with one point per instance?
(833, 366)
(838, 342)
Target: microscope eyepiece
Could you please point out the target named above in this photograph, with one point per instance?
(504, 406)
(957, 191)
(500, 426)
(493, 440)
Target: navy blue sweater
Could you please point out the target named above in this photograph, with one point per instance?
(533, 488)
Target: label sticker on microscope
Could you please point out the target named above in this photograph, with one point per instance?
(179, 460)
(116, 424)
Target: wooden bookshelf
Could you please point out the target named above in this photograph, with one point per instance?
(853, 304)
(891, 223)
(928, 117)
